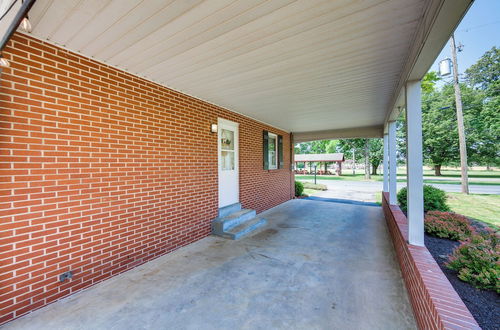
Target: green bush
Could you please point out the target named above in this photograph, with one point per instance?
(299, 188)
(477, 261)
(434, 199)
(448, 225)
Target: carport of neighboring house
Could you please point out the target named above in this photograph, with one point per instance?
(131, 129)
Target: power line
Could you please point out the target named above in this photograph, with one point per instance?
(478, 26)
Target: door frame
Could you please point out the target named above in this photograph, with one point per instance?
(221, 123)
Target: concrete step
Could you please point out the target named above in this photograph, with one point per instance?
(227, 210)
(232, 220)
(245, 228)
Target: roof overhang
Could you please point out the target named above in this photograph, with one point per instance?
(438, 23)
(319, 69)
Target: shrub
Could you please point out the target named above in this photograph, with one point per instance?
(448, 225)
(477, 261)
(299, 188)
(434, 199)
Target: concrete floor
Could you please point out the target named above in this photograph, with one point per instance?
(316, 265)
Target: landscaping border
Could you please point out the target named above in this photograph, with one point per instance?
(435, 303)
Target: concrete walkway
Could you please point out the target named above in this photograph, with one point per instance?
(316, 265)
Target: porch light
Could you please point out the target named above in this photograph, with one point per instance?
(25, 25)
(4, 63)
(213, 128)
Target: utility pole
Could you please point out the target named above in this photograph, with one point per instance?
(460, 118)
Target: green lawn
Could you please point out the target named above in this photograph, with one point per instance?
(485, 208)
(456, 173)
(451, 174)
(310, 192)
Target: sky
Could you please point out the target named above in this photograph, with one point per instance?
(478, 32)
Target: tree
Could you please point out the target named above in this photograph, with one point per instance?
(367, 159)
(483, 77)
(376, 154)
(439, 126)
(375, 151)
(428, 83)
(485, 73)
(439, 129)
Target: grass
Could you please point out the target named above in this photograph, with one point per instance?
(310, 189)
(477, 183)
(453, 176)
(485, 208)
(456, 173)
(310, 185)
(310, 192)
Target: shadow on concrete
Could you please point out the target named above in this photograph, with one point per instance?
(338, 200)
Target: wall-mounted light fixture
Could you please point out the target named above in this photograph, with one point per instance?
(213, 128)
(25, 25)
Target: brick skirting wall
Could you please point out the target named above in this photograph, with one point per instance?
(435, 303)
(101, 171)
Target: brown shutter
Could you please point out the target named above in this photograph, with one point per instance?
(281, 164)
(265, 149)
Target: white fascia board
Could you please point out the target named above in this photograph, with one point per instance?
(436, 26)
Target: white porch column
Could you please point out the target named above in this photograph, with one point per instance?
(385, 163)
(414, 170)
(393, 167)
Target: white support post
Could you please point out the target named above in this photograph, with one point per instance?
(393, 184)
(414, 164)
(385, 163)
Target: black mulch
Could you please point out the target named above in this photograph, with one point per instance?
(484, 305)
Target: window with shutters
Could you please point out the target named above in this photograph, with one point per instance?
(272, 151)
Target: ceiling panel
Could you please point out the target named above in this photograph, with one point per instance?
(305, 65)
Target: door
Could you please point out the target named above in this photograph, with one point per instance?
(229, 190)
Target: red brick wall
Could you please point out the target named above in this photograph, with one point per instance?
(102, 171)
(436, 304)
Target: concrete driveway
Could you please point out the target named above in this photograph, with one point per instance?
(316, 265)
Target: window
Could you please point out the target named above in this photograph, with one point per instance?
(272, 148)
(272, 151)
(227, 150)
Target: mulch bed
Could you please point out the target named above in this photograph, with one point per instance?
(484, 305)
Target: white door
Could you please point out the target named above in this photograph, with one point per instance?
(229, 190)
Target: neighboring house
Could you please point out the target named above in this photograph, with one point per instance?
(127, 126)
(325, 159)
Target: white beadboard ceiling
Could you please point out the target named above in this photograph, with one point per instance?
(304, 66)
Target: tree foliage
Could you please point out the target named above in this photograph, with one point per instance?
(317, 147)
(485, 73)
(481, 101)
(483, 78)
(376, 150)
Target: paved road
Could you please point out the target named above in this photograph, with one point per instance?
(365, 190)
